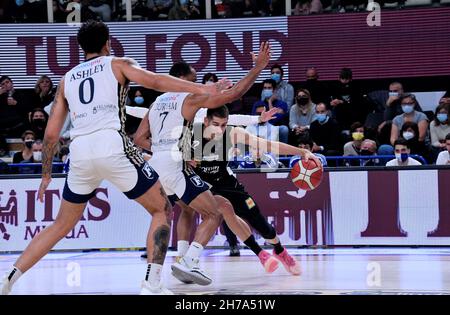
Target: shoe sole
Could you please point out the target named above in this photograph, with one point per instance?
(181, 276)
(288, 268)
(271, 265)
(192, 275)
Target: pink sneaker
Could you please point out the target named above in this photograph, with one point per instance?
(269, 262)
(292, 266)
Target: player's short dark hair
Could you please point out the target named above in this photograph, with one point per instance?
(271, 82)
(220, 112)
(447, 137)
(5, 77)
(305, 139)
(92, 36)
(180, 69)
(401, 141)
(277, 66)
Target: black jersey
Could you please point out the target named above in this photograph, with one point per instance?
(213, 157)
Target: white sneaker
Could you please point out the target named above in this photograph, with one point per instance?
(148, 289)
(185, 271)
(179, 275)
(6, 286)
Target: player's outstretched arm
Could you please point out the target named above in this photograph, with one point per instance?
(142, 135)
(128, 70)
(239, 135)
(55, 123)
(239, 89)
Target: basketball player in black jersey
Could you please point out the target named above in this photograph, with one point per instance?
(211, 157)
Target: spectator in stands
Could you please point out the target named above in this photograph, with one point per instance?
(210, 78)
(440, 127)
(102, 8)
(13, 108)
(38, 122)
(306, 7)
(185, 10)
(393, 102)
(265, 129)
(137, 100)
(159, 8)
(317, 89)
(384, 138)
(283, 91)
(43, 92)
(273, 7)
(244, 8)
(408, 104)
(369, 147)
(35, 11)
(325, 132)
(302, 113)
(354, 147)
(305, 142)
(444, 157)
(269, 101)
(346, 105)
(26, 154)
(410, 132)
(402, 152)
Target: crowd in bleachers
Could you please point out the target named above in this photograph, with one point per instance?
(331, 119)
(35, 11)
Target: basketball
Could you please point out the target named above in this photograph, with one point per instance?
(306, 175)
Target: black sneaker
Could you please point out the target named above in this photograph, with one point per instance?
(234, 251)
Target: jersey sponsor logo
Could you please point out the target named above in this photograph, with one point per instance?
(76, 115)
(165, 106)
(148, 171)
(197, 181)
(103, 107)
(210, 169)
(250, 203)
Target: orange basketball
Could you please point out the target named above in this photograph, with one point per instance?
(306, 175)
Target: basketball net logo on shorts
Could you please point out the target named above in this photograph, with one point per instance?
(197, 181)
(97, 210)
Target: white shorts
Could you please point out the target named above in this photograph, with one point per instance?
(106, 155)
(178, 180)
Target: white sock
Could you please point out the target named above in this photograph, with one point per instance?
(153, 275)
(12, 276)
(194, 251)
(182, 247)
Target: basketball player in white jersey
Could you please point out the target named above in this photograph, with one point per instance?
(170, 144)
(94, 93)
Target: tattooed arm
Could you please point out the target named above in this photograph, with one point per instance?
(55, 123)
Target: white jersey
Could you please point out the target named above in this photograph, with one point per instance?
(96, 99)
(170, 132)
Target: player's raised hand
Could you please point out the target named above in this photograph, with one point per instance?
(262, 59)
(268, 115)
(218, 87)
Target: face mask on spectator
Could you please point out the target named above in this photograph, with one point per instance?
(401, 157)
(37, 156)
(183, 2)
(442, 117)
(358, 136)
(394, 94)
(276, 77)
(408, 108)
(321, 117)
(139, 100)
(39, 122)
(302, 100)
(29, 143)
(20, 2)
(267, 93)
(408, 135)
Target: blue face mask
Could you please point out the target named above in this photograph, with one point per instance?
(267, 93)
(401, 157)
(139, 100)
(20, 2)
(276, 77)
(442, 117)
(408, 108)
(321, 117)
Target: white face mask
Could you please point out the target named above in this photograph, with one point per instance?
(408, 135)
(37, 156)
